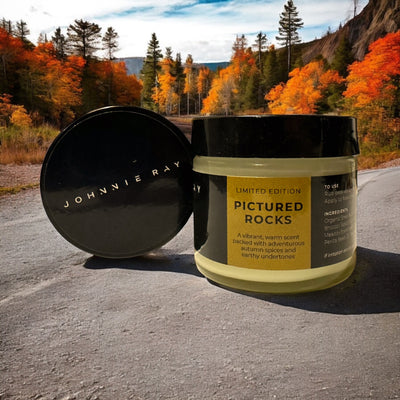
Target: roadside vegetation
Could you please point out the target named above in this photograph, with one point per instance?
(45, 87)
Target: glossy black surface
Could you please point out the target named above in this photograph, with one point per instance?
(275, 136)
(118, 182)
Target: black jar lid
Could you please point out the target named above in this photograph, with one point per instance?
(118, 182)
(275, 136)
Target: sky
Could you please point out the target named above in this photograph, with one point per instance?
(206, 29)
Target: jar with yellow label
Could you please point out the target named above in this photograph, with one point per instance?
(275, 201)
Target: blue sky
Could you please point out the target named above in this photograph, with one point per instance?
(206, 29)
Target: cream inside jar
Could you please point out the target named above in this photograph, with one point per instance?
(275, 201)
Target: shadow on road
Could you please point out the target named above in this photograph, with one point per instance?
(374, 287)
(154, 261)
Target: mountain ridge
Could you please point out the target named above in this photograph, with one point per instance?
(135, 64)
(378, 18)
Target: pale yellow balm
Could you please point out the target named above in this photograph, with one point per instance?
(275, 201)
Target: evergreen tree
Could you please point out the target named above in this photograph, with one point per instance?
(84, 37)
(59, 44)
(343, 57)
(289, 23)
(253, 92)
(168, 54)
(272, 70)
(178, 72)
(7, 26)
(110, 42)
(22, 32)
(150, 71)
(260, 45)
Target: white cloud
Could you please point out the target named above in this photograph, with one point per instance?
(205, 30)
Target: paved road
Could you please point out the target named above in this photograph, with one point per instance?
(73, 326)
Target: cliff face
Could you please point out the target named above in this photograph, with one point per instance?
(378, 18)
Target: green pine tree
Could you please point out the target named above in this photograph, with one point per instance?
(259, 46)
(84, 38)
(343, 57)
(290, 23)
(59, 43)
(272, 70)
(177, 72)
(252, 95)
(110, 42)
(150, 71)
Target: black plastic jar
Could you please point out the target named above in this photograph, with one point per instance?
(275, 201)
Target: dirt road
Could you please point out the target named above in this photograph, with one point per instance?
(73, 326)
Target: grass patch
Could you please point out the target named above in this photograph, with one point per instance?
(25, 145)
(371, 158)
(16, 189)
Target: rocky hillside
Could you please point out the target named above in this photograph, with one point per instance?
(378, 18)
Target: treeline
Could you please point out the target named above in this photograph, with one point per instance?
(258, 81)
(61, 77)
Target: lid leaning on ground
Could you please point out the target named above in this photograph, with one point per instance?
(275, 136)
(118, 182)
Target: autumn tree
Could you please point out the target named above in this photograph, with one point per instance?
(12, 55)
(84, 38)
(289, 24)
(111, 85)
(303, 91)
(204, 80)
(242, 62)
(52, 87)
(164, 94)
(110, 42)
(220, 97)
(373, 92)
(151, 69)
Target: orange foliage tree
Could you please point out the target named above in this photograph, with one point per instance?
(109, 84)
(12, 53)
(12, 113)
(303, 91)
(203, 83)
(373, 92)
(57, 89)
(52, 87)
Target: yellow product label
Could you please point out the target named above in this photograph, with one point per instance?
(269, 223)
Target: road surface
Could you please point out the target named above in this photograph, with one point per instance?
(73, 326)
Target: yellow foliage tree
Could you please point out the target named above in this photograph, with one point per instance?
(20, 117)
(164, 94)
(223, 88)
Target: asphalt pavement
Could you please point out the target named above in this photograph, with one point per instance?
(74, 326)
